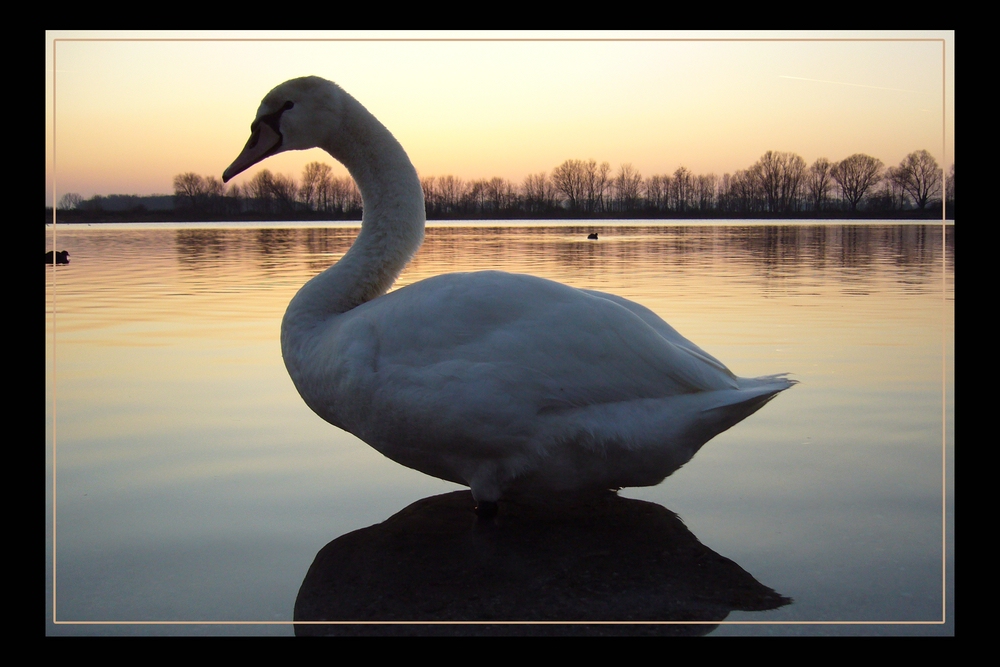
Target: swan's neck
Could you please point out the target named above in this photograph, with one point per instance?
(392, 226)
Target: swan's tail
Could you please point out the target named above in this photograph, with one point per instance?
(733, 406)
(777, 382)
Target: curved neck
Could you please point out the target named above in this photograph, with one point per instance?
(392, 226)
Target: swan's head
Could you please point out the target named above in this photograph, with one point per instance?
(297, 115)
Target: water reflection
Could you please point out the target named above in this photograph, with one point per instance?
(194, 484)
(604, 559)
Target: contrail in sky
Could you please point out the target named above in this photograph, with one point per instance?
(841, 83)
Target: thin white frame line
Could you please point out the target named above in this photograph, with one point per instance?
(944, 504)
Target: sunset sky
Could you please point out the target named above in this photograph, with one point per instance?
(133, 109)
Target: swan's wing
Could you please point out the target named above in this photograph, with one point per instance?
(661, 327)
(511, 343)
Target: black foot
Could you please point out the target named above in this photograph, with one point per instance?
(486, 509)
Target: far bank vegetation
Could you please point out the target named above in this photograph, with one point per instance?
(778, 185)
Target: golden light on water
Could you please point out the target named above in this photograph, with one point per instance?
(187, 465)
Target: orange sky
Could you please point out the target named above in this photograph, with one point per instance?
(131, 110)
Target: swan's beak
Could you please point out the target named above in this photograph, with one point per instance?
(264, 141)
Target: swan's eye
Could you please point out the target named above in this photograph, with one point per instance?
(273, 118)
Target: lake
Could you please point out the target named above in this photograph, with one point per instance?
(190, 488)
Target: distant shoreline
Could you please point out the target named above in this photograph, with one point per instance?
(92, 217)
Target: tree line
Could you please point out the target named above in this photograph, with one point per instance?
(270, 194)
(778, 185)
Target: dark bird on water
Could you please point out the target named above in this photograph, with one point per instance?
(62, 257)
(592, 236)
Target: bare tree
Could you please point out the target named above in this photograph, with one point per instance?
(781, 177)
(213, 186)
(314, 176)
(895, 187)
(856, 175)
(569, 179)
(284, 189)
(452, 192)
(596, 178)
(725, 198)
(705, 186)
(680, 189)
(746, 193)
(792, 178)
(818, 182)
(884, 196)
(69, 201)
(333, 195)
(235, 199)
(324, 184)
(500, 194)
(666, 184)
(342, 196)
(654, 192)
(475, 196)
(538, 193)
(950, 185)
(211, 198)
(260, 190)
(188, 188)
(770, 168)
(922, 177)
(432, 203)
(626, 186)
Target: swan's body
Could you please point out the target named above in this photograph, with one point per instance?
(502, 382)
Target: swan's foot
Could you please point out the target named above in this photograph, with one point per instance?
(486, 509)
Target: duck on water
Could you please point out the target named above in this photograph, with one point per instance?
(61, 257)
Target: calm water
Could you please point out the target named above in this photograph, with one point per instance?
(189, 482)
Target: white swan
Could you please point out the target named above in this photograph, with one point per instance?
(505, 383)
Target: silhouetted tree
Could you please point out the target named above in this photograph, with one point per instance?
(69, 201)
(501, 195)
(260, 191)
(211, 199)
(538, 193)
(894, 187)
(284, 189)
(315, 185)
(189, 187)
(451, 191)
(778, 183)
(626, 185)
(856, 175)
(569, 179)
(95, 203)
(818, 182)
(781, 180)
(235, 200)
(922, 177)
(680, 190)
(745, 194)
(705, 187)
(596, 178)
(343, 196)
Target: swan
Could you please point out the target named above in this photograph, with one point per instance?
(509, 384)
(592, 236)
